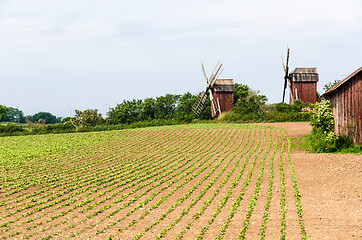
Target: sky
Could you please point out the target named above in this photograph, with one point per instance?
(58, 55)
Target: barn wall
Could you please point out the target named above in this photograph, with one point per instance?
(346, 103)
(307, 91)
(226, 100)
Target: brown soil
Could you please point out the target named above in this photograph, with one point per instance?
(330, 188)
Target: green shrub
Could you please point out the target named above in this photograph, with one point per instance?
(322, 119)
(323, 138)
(319, 142)
(11, 128)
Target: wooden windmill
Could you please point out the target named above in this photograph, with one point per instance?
(221, 93)
(302, 83)
(286, 75)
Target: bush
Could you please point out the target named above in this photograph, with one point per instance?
(319, 142)
(11, 128)
(322, 119)
(322, 137)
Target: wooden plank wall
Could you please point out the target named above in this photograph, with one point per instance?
(307, 91)
(346, 104)
(226, 100)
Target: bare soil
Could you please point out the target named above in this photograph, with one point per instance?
(330, 187)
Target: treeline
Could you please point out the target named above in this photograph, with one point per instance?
(170, 106)
(164, 110)
(249, 106)
(10, 114)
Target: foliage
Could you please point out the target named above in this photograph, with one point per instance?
(280, 112)
(184, 108)
(47, 117)
(297, 106)
(248, 105)
(88, 117)
(14, 115)
(322, 119)
(320, 142)
(169, 106)
(165, 106)
(3, 111)
(205, 113)
(329, 85)
(322, 137)
(247, 100)
(11, 128)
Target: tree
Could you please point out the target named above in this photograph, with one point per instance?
(3, 111)
(165, 106)
(329, 85)
(46, 116)
(125, 112)
(241, 92)
(247, 100)
(147, 109)
(184, 107)
(14, 115)
(88, 117)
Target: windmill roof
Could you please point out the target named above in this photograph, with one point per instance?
(306, 70)
(309, 74)
(224, 85)
(335, 87)
(224, 81)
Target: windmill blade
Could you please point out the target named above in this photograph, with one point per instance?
(219, 72)
(200, 102)
(286, 76)
(213, 102)
(218, 104)
(215, 74)
(285, 86)
(203, 70)
(283, 65)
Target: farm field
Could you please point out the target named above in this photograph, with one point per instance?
(196, 181)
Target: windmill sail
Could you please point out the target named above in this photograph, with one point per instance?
(286, 71)
(200, 102)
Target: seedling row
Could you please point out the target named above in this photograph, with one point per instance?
(197, 181)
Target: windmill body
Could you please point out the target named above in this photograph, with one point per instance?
(221, 93)
(301, 82)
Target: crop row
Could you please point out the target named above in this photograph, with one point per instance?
(193, 181)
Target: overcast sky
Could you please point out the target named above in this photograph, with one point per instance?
(57, 55)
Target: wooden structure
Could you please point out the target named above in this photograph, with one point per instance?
(221, 93)
(303, 85)
(346, 101)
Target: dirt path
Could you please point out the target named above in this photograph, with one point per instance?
(330, 185)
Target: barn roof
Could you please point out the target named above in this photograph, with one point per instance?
(335, 87)
(304, 75)
(224, 85)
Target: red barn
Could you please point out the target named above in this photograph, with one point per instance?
(346, 101)
(303, 85)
